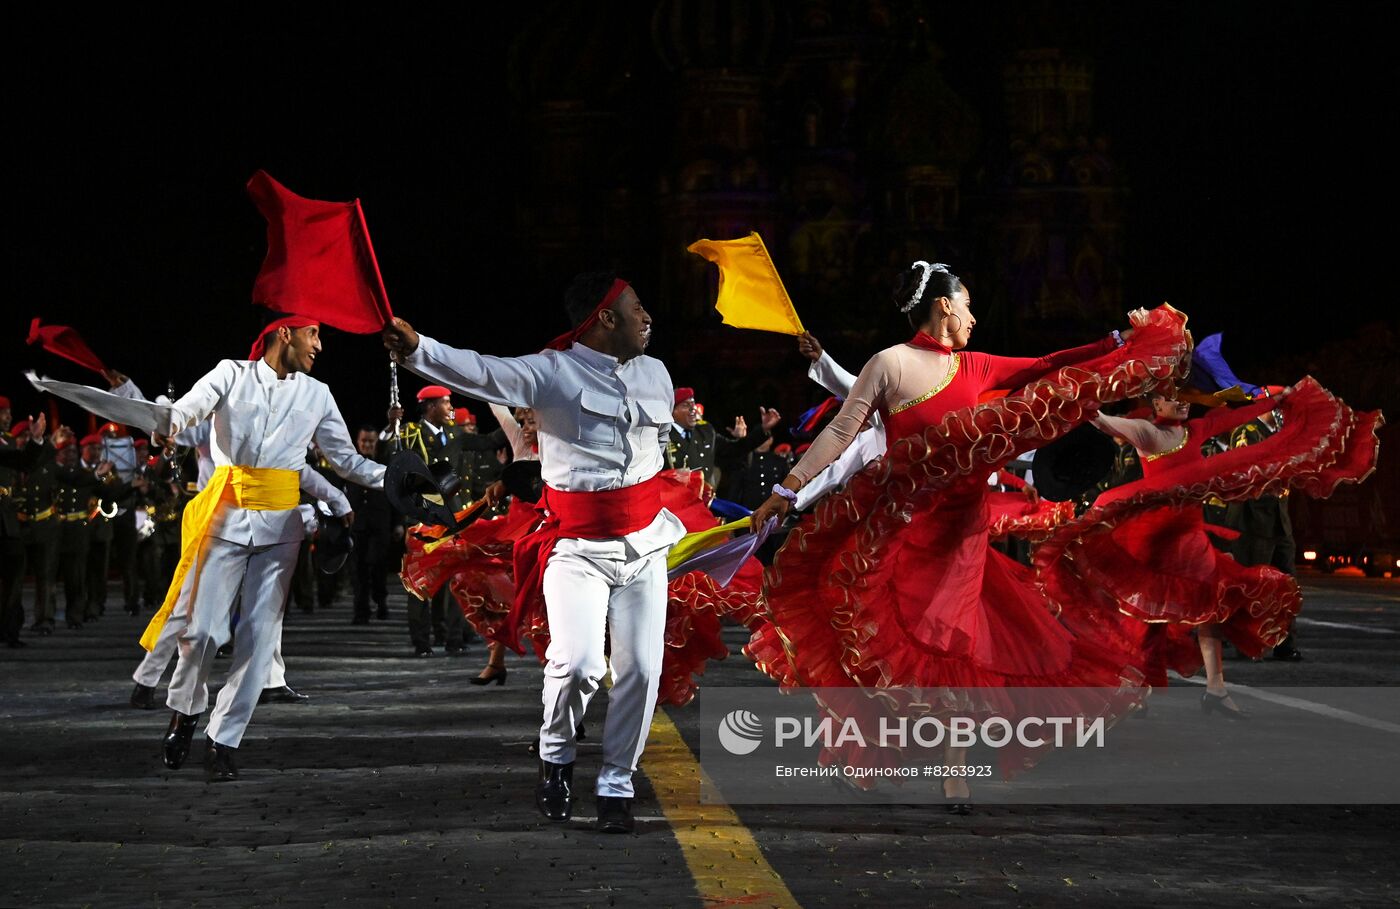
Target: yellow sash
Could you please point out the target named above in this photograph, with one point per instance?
(254, 488)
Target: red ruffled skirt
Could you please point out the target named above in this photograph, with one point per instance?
(892, 584)
(1138, 568)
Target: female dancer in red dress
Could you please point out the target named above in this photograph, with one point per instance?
(892, 583)
(1138, 568)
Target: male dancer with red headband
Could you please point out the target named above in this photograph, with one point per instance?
(242, 532)
(603, 411)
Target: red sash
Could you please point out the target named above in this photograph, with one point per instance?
(576, 516)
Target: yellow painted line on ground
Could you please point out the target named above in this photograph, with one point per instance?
(724, 859)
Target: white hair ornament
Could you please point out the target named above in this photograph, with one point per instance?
(928, 268)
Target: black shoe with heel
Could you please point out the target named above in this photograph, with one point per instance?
(960, 805)
(497, 675)
(1215, 703)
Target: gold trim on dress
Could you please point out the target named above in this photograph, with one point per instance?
(952, 371)
(1185, 437)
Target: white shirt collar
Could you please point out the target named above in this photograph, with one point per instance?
(595, 358)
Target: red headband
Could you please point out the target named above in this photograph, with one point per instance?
(260, 345)
(566, 340)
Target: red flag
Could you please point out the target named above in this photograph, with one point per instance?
(320, 262)
(64, 341)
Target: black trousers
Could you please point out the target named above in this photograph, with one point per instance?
(41, 553)
(420, 624)
(11, 585)
(71, 566)
(123, 556)
(99, 553)
(370, 558)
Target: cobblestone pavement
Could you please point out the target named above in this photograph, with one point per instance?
(399, 784)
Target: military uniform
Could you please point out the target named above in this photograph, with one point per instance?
(445, 447)
(77, 497)
(703, 449)
(15, 458)
(36, 499)
(754, 483)
(372, 532)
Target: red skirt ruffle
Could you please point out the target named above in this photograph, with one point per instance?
(1140, 556)
(477, 567)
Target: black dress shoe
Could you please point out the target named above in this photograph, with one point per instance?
(614, 814)
(495, 674)
(75, 625)
(283, 695)
(554, 795)
(1287, 653)
(961, 805)
(383, 614)
(1215, 703)
(423, 652)
(143, 697)
(177, 738)
(218, 763)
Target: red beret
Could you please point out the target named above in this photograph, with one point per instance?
(92, 438)
(114, 428)
(684, 394)
(433, 391)
(19, 428)
(783, 449)
(4, 403)
(66, 443)
(462, 415)
(139, 443)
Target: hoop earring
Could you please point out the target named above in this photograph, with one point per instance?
(956, 330)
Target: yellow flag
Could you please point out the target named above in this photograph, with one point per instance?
(751, 295)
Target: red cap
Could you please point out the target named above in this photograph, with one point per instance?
(92, 438)
(433, 391)
(19, 428)
(66, 443)
(114, 428)
(783, 450)
(685, 394)
(462, 415)
(4, 403)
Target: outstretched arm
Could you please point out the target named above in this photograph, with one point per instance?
(496, 380)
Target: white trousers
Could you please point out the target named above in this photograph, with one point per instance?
(153, 664)
(264, 574)
(585, 596)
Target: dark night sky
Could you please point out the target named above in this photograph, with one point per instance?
(1251, 132)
